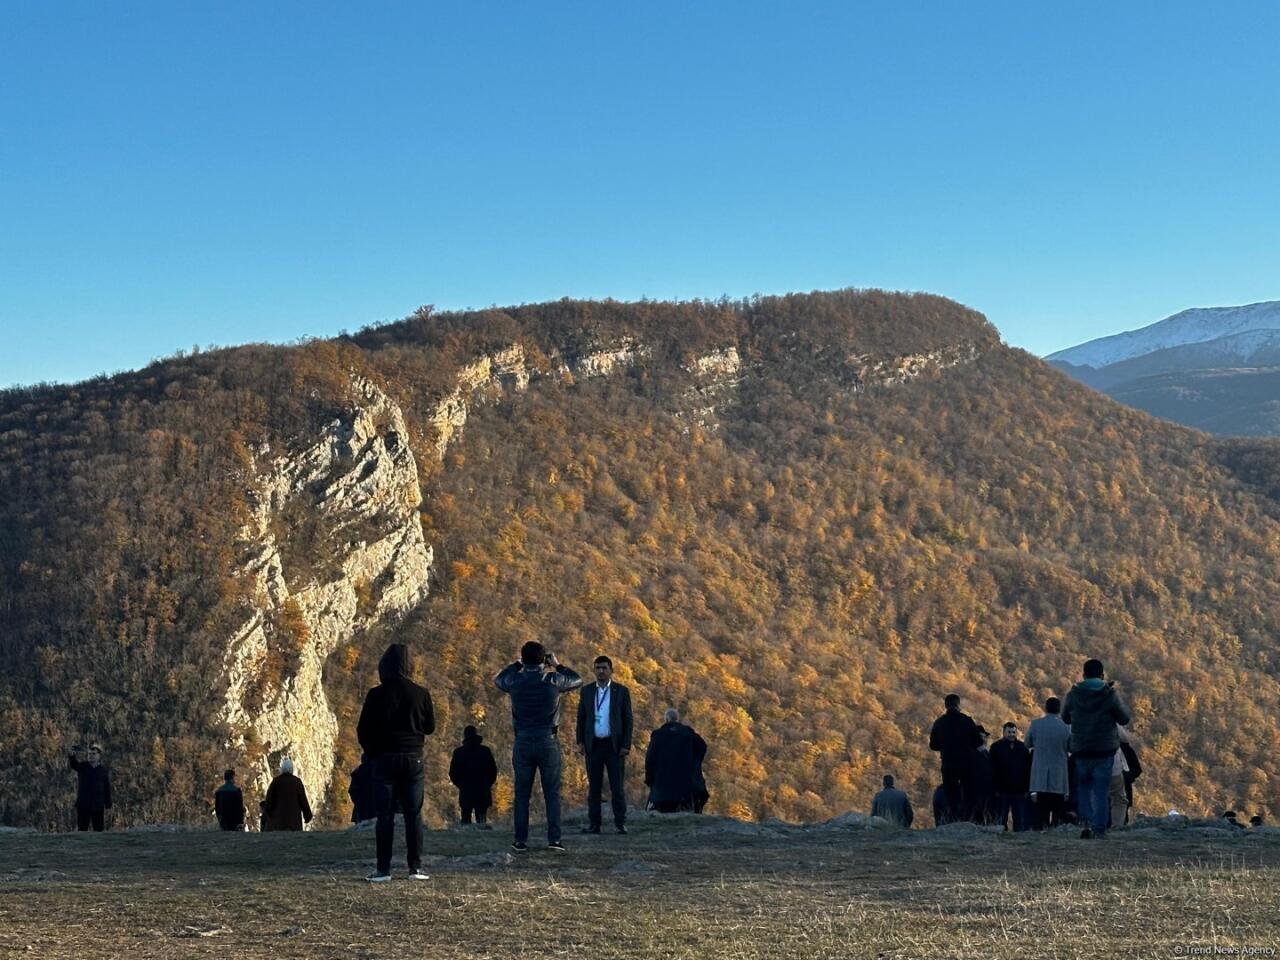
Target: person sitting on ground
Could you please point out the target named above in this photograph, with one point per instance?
(1095, 712)
(285, 804)
(893, 805)
(93, 788)
(1230, 817)
(473, 771)
(228, 803)
(670, 764)
(1255, 820)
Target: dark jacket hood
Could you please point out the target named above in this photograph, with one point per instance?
(394, 663)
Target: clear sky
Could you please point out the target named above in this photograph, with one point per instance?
(185, 173)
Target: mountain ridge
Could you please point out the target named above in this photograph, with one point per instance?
(799, 519)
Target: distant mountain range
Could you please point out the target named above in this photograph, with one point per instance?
(1214, 368)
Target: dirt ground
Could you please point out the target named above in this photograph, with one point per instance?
(675, 887)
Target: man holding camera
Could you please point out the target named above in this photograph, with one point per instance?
(535, 683)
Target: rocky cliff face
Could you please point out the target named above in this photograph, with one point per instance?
(358, 484)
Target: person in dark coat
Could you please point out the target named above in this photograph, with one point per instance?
(981, 806)
(893, 805)
(228, 803)
(93, 789)
(671, 765)
(395, 720)
(1095, 712)
(954, 737)
(474, 772)
(535, 684)
(941, 814)
(603, 733)
(1011, 779)
(363, 791)
(285, 804)
(1133, 769)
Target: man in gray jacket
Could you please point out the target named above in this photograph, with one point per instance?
(1095, 712)
(893, 805)
(1049, 740)
(535, 683)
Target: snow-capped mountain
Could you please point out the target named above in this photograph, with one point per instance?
(1198, 325)
(1215, 368)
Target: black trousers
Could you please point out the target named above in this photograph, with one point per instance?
(399, 786)
(87, 818)
(1050, 807)
(600, 758)
(957, 784)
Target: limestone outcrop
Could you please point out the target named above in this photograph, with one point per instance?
(356, 488)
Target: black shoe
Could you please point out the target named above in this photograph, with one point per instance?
(620, 829)
(520, 847)
(1086, 834)
(557, 847)
(590, 829)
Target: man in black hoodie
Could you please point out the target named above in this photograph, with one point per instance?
(1095, 712)
(395, 719)
(473, 771)
(955, 737)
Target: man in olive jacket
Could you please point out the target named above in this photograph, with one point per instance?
(1095, 712)
(396, 718)
(604, 736)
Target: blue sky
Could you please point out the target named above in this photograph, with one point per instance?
(188, 173)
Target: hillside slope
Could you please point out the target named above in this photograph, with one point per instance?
(801, 520)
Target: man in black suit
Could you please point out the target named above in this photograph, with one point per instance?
(604, 736)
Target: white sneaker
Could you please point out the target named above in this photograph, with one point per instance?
(418, 874)
(379, 878)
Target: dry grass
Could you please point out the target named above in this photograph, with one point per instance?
(679, 887)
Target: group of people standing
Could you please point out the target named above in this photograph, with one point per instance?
(397, 716)
(1076, 763)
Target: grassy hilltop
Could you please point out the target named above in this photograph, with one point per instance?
(682, 887)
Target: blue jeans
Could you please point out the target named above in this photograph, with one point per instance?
(398, 786)
(540, 754)
(1093, 783)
